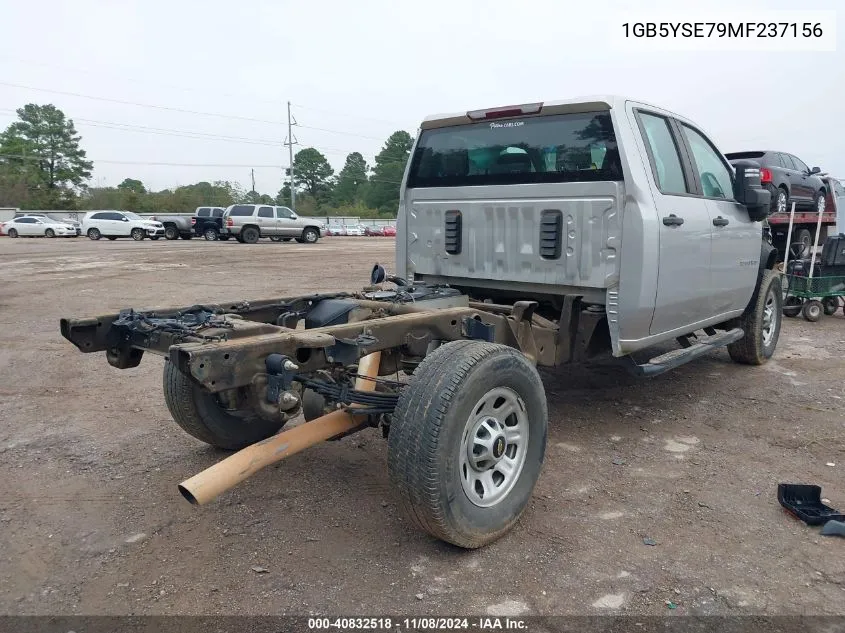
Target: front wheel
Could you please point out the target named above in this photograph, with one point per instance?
(813, 310)
(94, 234)
(760, 323)
(309, 236)
(221, 421)
(466, 441)
(137, 234)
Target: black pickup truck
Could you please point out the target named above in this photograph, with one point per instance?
(207, 222)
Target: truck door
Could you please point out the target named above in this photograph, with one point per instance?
(736, 242)
(267, 221)
(684, 229)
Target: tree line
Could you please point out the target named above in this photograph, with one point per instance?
(43, 166)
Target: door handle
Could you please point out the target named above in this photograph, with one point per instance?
(673, 220)
(720, 221)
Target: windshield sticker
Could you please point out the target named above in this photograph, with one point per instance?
(493, 126)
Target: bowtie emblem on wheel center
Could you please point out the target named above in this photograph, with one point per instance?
(499, 447)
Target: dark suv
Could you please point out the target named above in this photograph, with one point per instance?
(788, 179)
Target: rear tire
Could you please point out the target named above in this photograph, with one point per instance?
(171, 233)
(137, 235)
(201, 415)
(94, 234)
(761, 323)
(831, 305)
(13, 233)
(49, 233)
(792, 307)
(250, 235)
(780, 203)
(210, 235)
(813, 310)
(465, 467)
(806, 239)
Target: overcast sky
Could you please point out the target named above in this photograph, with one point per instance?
(362, 69)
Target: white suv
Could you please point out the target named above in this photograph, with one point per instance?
(115, 224)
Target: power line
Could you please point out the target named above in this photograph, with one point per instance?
(149, 163)
(346, 114)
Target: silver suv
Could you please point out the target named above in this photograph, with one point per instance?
(250, 222)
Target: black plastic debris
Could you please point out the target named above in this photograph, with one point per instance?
(805, 502)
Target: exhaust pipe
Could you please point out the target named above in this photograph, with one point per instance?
(224, 475)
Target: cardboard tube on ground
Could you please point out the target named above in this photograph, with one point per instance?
(205, 486)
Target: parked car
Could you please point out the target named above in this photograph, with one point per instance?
(40, 226)
(250, 222)
(44, 216)
(175, 225)
(207, 222)
(115, 224)
(354, 229)
(789, 179)
(338, 230)
(3, 228)
(389, 231)
(374, 231)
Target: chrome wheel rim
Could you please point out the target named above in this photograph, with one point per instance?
(781, 202)
(770, 319)
(493, 447)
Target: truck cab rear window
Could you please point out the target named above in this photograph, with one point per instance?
(559, 148)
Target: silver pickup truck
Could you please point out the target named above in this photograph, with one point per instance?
(531, 235)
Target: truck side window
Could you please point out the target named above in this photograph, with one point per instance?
(714, 175)
(664, 154)
(265, 212)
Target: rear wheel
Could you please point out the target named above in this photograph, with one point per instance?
(209, 418)
(781, 201)
(49, 233)
(13, 233)
(94, 234)
(466, 441)
(210, 234)
(137, 234)
(813, 310)
(831, 305)
(804, 238)
(792, 307)
(761, 323)
(250, 235)
(171, 233)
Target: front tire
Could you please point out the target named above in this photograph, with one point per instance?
(94, 234)
(202, 415)
(466, 441)
(761, 323)
(813, 310)
(310, 236)
(137, 235)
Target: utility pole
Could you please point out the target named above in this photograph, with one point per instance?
(252, 171)
(290, 142)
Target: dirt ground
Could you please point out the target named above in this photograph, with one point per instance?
(91, 521)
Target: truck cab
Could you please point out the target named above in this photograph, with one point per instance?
(626, 205)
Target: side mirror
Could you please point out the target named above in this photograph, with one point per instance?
(125, 219)
(815, 170)
(749, 191)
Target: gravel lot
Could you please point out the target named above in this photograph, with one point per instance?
(91, 521)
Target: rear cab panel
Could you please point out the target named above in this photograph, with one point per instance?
(537, 196)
